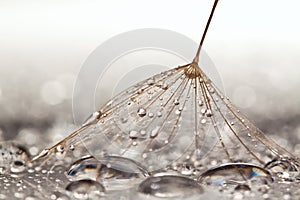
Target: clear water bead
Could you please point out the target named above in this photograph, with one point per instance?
(176, 102)
(170, 186)
(85, 189)
(231, 173)
(150, 82)
(133, 134)
(141, 112)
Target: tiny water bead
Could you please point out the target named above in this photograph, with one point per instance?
(133, 134)
(170, 186)
(150, 81)
(141, 112)
(85, 189)
(235, 173)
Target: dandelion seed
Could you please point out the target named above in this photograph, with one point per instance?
(206, 125)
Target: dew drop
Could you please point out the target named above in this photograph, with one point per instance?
(60, 148)
(150, 82)
(159, 114)
(92, 119)
(281, 165)
(144, 155)
(85, 189)
(208, 113)
(150, 115)
(177, 112)
(203, 111)
(143, 132)
(176, 102)
(203, 121)
(109, 170)
(170, 186)
(154, 132)
(133, 134)
(200, 103)
(164, 86)
(234, 173)
(141, 112)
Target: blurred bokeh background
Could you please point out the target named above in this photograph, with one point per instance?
(255, 46)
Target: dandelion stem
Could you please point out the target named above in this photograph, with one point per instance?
(196, 59)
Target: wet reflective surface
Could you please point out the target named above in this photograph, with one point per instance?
(115, 177)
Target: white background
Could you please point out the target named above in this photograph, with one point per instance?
(255, 45)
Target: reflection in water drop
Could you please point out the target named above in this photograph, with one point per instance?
(233, 173)
(92, 119)
(141, 112)
(282, 164)
(113, 171)
(18, 166)
(85, 189)
(242, 187)
(170, 186)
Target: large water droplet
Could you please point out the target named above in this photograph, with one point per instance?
(86, 167)
(85, 189)
(113, 171)
(282, 164)
(234, 173)
(170, 186)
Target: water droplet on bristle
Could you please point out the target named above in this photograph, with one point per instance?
(141, 112)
